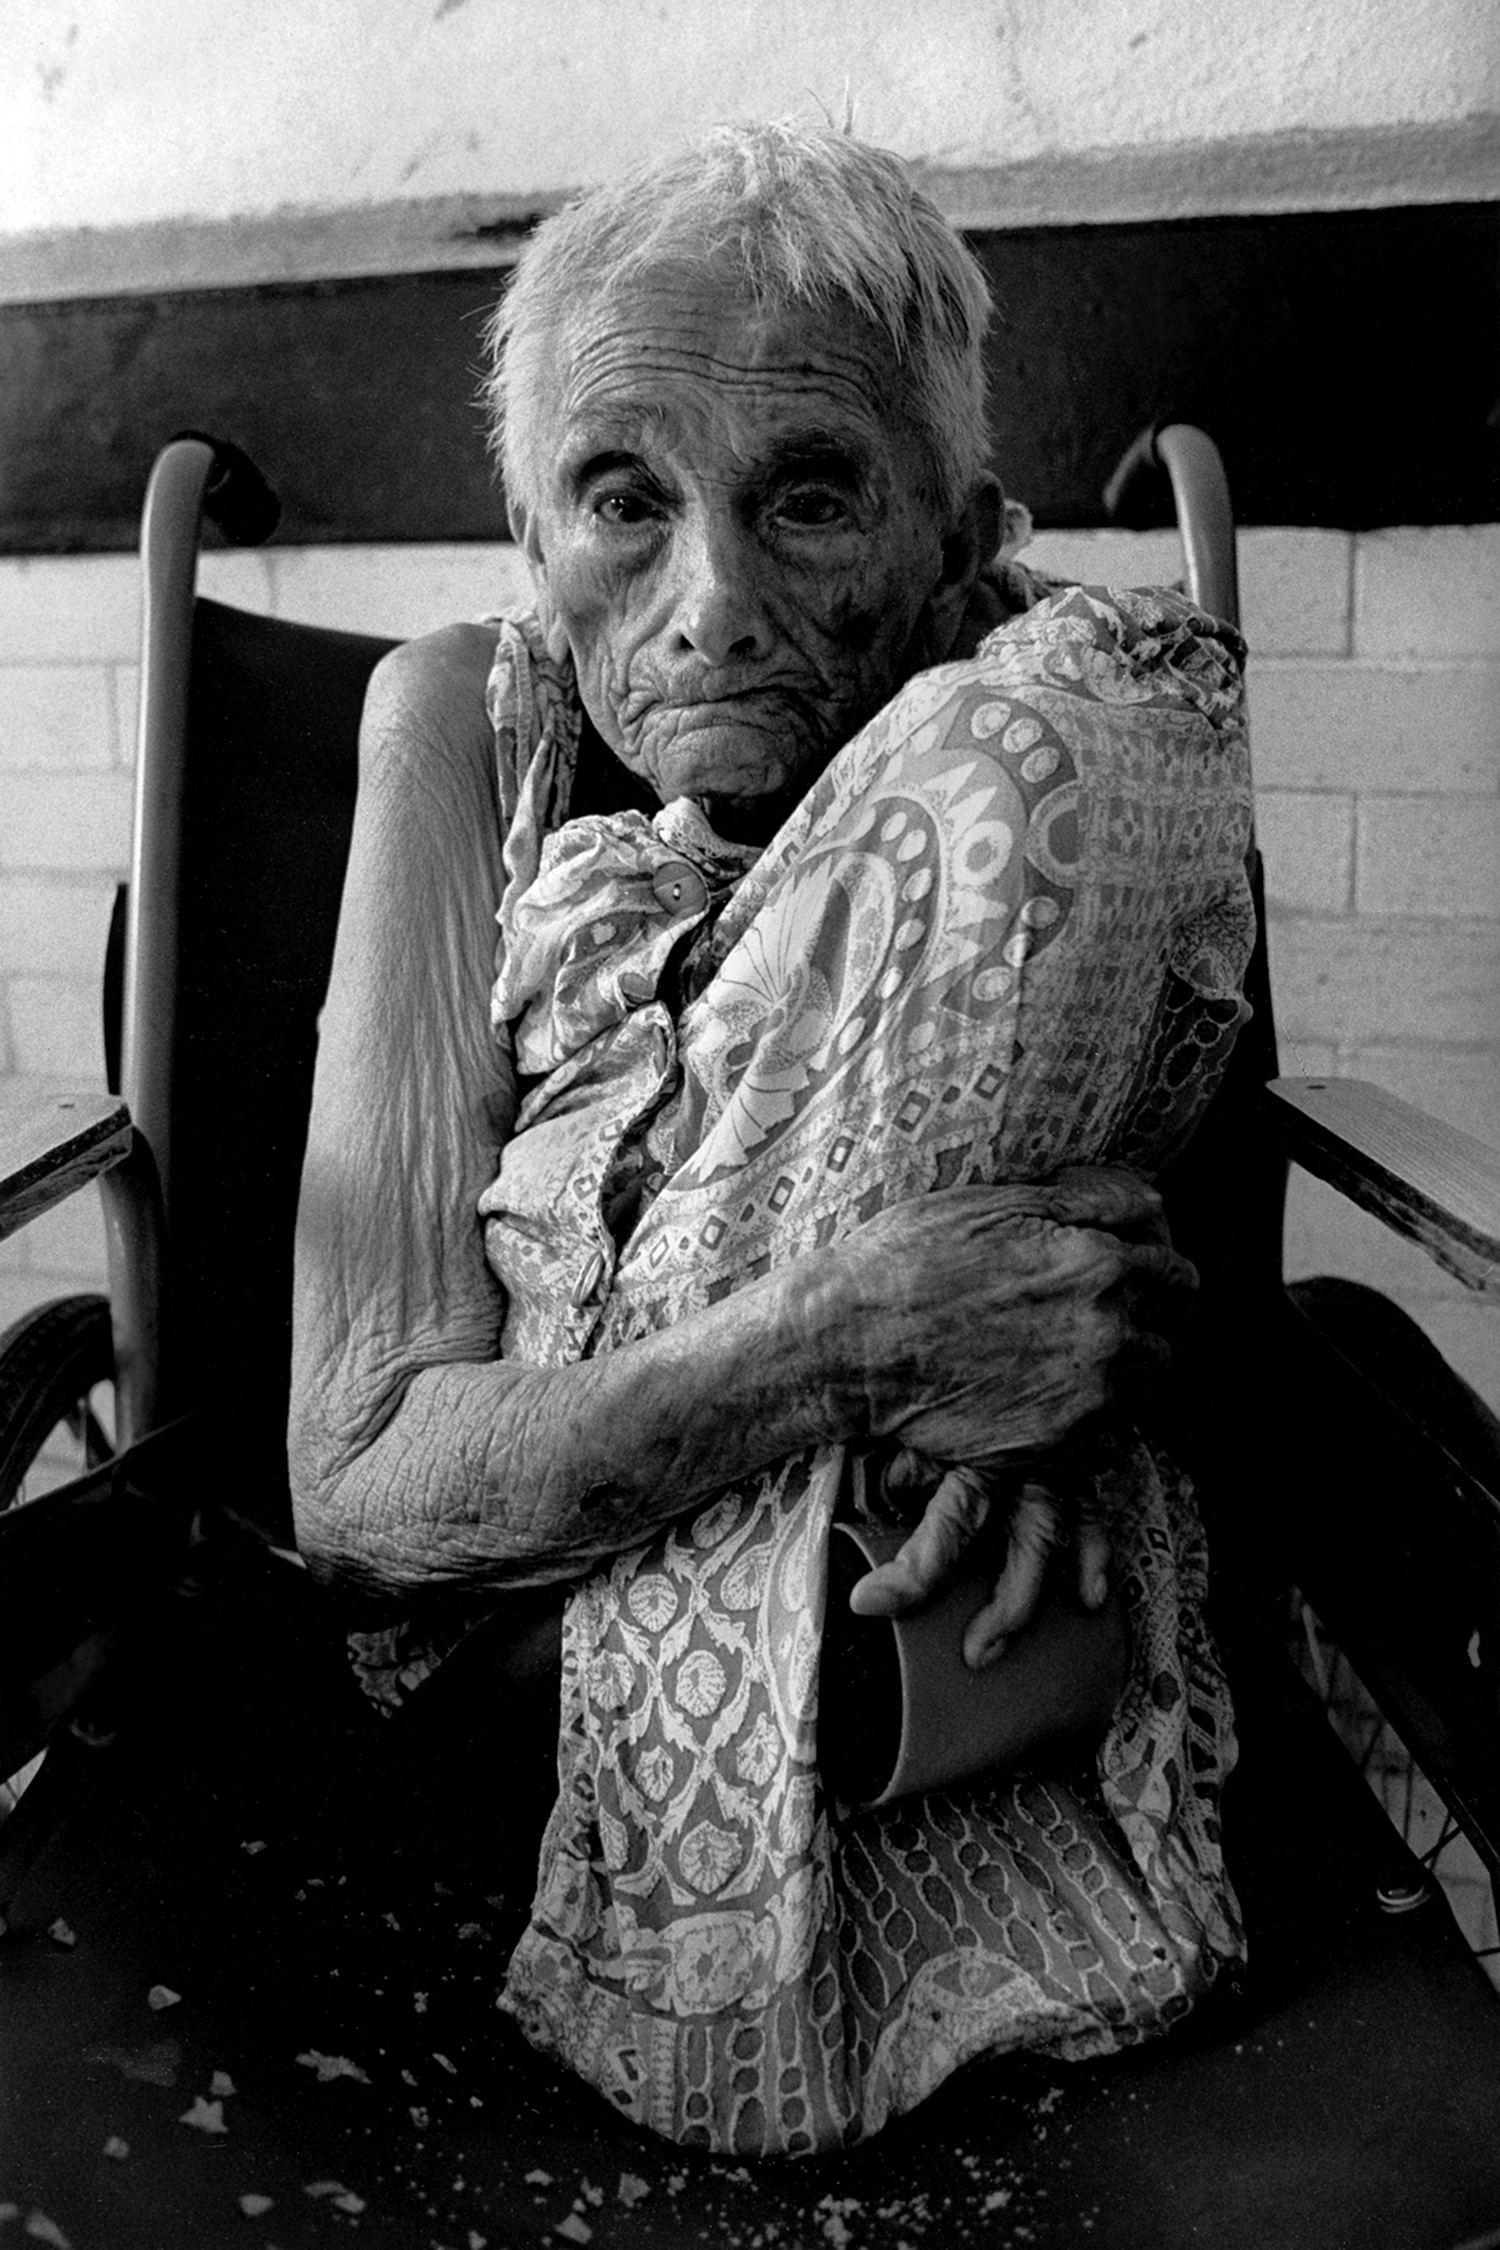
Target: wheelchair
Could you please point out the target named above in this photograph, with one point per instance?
(253, 1933)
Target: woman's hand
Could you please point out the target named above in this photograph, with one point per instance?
(961, 1506)
(980, 1326)
(1025, 1312)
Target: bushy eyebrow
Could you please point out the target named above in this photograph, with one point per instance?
(605, 443)
(617, 442)
(577, 475)
(821, 453)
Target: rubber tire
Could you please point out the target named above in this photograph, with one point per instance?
(49, 1360)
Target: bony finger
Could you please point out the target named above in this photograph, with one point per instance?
(1035, 1525)
(1094, 1557)
(1018, 1589)
(986, 1636)
(956, 1511)
(1106, 1196)
(889, 1590)
(1157, 1265)
(1147, 1347)
(908, 1471)
(952, 1516)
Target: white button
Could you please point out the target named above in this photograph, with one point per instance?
(680, 888)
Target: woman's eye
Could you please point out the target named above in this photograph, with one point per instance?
(812, 509)
(623, 507)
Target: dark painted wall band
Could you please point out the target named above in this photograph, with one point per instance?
(1346, 362)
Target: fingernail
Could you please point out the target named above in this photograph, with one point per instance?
(879, 1601)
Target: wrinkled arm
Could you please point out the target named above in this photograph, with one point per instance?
(418, 1457)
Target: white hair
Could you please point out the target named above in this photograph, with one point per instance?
(793, 215)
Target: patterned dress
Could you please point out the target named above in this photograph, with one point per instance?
(1004, 931)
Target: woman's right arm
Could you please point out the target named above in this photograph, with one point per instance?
(418, 1456)
(986, 1319)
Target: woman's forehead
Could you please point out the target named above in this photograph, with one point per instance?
(656, 352)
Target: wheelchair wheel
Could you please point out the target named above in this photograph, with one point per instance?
(56, 1417)
(56, 1402)
(1410, 1801)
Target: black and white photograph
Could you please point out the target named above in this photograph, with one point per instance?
(749, 1125)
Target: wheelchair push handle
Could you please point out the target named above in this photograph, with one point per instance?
(1193, 466)
(194, 476)
(236, 497)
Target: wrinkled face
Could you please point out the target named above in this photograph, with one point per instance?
(733, 539)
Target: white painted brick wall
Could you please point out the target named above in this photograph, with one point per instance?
(65, 822)
(1418, 729)
(1294, 585)
(1359, 982)
(1375, 705)
(382, 589)
(54, 922)
(55, 718)
(77, 609)
(1429, 855)
(1307, 842)
(1428, 594)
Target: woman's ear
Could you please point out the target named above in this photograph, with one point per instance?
(526, 531)
(969, 545)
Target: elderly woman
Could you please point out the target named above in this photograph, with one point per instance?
(856, 888)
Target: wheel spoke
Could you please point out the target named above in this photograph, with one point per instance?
(1408, 1798)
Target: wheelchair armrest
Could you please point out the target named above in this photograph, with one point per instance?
(51, 1145)
(1426, 1180)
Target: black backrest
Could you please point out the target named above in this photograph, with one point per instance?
(1225, 1195)
(1225, 1200)
(273, 729)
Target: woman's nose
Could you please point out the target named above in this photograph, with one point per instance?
(720, 613)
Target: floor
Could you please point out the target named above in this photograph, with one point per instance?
(328, 1979)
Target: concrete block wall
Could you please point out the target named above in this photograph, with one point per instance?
(1375, 706)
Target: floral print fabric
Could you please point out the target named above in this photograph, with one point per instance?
(1003, 932)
